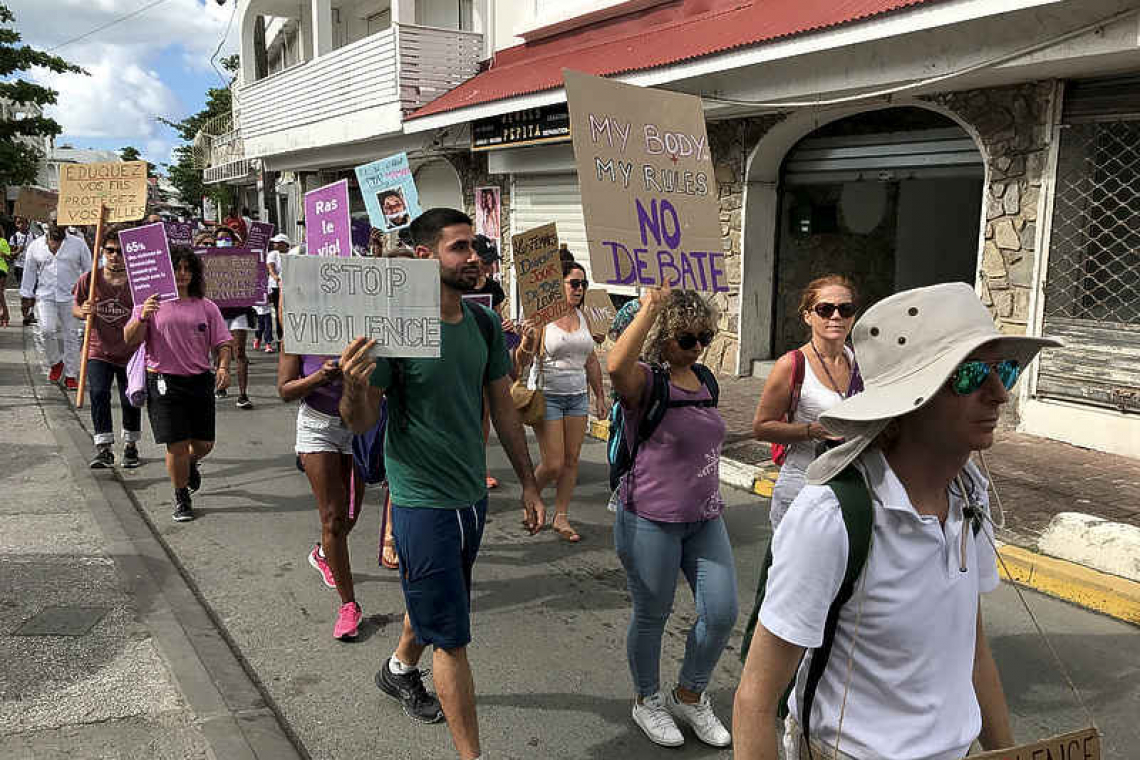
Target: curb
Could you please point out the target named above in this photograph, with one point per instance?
(1111, 595)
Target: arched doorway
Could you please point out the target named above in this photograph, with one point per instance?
(890, 197)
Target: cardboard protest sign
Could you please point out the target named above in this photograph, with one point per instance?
(326, 303)
(1078, 745)
(35, 204)
(599, 311)
(648, 189)
(259, 234)
(146, 253)
(180, 233)
(121, 186)
(328, 228)
(539, 270)
(235, 277)
(389, 192)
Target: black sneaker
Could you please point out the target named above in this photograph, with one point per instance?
(243, 402)
(131, 456)
(103, 459)
(194, 482)
(183, 511)
(419, 704)
(220, 393)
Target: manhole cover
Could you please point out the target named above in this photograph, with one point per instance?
(62, 621)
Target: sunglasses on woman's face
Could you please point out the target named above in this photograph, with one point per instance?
(825, 309)
(112, 249)
(688, 340)
(970, 376)
(575, 284)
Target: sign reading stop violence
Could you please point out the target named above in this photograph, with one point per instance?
(648, 189)
(119, 185)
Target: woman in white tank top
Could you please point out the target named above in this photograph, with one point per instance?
(828, 308)
(566, 367)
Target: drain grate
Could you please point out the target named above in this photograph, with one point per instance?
(62, 621)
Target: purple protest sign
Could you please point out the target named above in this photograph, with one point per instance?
(180, 233)
(259, 234)
(328, 229)
(235, 277)
(147, 256)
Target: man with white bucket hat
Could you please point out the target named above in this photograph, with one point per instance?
(904, 670)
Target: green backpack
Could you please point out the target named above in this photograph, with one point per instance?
(855, 503)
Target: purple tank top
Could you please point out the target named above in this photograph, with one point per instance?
(324, 398)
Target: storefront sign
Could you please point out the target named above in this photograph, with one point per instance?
(1079, 745)
(35, 204)
(539, 270)
(146, 253)
(235, 277)
(389, 192)
(326, 303)
(533, 126)
(328, 228)
(121, 186)
(648, 191)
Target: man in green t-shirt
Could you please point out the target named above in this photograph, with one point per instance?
(436, 465)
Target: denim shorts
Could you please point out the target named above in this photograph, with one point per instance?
(572, 405)
(437, 550)
(317, 432)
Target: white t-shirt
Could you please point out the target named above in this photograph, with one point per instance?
(274, 258)
(564, 357)
(911, 695)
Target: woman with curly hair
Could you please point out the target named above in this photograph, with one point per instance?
(669, 515)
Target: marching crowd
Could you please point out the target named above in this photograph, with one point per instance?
(867, 635)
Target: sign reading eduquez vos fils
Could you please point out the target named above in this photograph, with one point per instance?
(648, 190)
(120, 186)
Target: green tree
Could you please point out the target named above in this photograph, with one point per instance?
(19, 161)
(186, 173)
(131, 153)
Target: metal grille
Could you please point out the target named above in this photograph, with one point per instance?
(1092, 289)
(1094, 256)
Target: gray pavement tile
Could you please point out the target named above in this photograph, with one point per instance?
(123, 739)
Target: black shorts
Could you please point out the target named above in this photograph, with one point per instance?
(180, 407)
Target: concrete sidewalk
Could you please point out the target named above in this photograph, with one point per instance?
(105, 651)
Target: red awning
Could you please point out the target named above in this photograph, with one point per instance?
(660, 35)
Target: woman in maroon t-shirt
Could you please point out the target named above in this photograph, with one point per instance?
(324, 444)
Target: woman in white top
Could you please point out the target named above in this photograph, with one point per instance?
(828, 308)
(566, 366)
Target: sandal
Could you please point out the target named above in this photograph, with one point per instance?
(567, 534)
(388, 557)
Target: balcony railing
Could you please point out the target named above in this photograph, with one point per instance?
(405, 65)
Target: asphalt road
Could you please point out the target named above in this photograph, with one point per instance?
(549, 618)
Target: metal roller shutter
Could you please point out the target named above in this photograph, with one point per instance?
(543, 198)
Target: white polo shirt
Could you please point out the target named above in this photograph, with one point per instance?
(911, 695)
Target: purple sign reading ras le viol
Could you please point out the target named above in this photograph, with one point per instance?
(328, 228)
(147, 256)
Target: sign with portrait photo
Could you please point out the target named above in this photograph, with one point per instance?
(487, 212)
(389, 192)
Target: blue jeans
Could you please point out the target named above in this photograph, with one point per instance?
(652, 553)
(101, 376)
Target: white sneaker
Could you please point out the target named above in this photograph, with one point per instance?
(654, 719)
(701, 718)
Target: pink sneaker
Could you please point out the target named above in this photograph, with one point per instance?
(347, 621)
(321, 566)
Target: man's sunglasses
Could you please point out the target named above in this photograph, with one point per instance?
(970, 376)
(112, 249)
(825, 309)
(687, 340)
(575, 284)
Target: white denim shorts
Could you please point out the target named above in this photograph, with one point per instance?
(318, 432)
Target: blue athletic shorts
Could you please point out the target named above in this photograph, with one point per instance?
(437, 550)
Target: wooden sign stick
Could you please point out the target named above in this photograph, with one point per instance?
(92, 289)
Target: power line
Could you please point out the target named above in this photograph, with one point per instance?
(222, 41)
(108, 25)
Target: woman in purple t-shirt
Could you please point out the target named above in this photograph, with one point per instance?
(670, 514)
(324, 444)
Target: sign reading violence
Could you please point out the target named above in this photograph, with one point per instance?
(648, 190)
(539, 270)
(328, 228)
(326, 303)
(1078, 745)
(146, 253)
(119, 185)
(235, 277)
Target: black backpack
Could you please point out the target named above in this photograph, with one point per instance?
(621, 453)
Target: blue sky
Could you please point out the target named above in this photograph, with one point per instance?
(154, 64)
